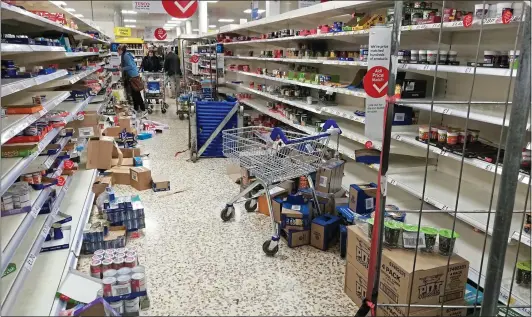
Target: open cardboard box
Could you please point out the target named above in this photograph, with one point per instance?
(100, 185)
(100, 153)
(128, 156)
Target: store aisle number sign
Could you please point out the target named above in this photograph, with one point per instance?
(121, 31)
(178, 9)
(376, 80)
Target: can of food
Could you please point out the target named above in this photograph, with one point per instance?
(132, 305)
(107, 264)
(99, 293)
(110, 251)
(123, 285)
(130, 262)
(28, 178)
(124, 271)
(97, 257)
(99, 252)
(118, 263)
(110, 273)
(138, 269)
(120, 255)
(108, 284)
(131, 254)
(109, 256)
(118, 306)
(96, 268)
(120, 250)
(37, 178)
(138, 282)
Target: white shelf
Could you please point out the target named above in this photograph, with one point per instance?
(37, 296)
(13, 124)
(44, 162)
(12, 167)
(344, 91)
(70, 80)
(27, 253)
(7, 48)
(11, 86)
(525, 237)
(11, 12)
(468, 70)
(301, 60)
(74, 107)
(14, 227)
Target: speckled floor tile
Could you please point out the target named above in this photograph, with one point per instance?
(198, 265)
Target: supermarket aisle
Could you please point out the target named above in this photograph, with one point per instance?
(198, 265)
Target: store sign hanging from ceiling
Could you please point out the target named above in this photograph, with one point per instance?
(178, 9)
(155, 34)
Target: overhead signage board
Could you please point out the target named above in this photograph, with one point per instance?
(178, 9)
(121, 31)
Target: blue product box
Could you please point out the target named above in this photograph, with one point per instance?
(343, 241)
(471, 295)
(137, 161)
(350, 216)
(296, 216)
(362, 197)
(402, 115)
(297, 238)
(160, 185)
(324, 231)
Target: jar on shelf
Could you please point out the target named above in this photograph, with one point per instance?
(422, 56)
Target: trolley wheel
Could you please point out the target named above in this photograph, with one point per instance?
(193, 157)
(227, 213)
(251, 205)
(163, 110)
(267, 250)
(150, 110)
(181, 116)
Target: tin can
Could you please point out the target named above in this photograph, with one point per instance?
(110, 273)
(99, 293)
(108, 284)
(37, 178)
(97, 257)
(118, 306)
(132, 305)
(131, 249)
(138, 282)
(123, 285)
(120, 250)
(124, 271)
(99, 252)
(107, 264)
(130, 262)
(120, 255)
(118, 263)
(106, 204)
(110, 251)
(96, 268)
(138, 269)
(28, 178)
(109, 256)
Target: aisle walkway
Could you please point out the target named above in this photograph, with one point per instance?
(198, 265)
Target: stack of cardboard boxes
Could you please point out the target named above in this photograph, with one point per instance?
(430, 283)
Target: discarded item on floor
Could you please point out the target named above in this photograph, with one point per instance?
(160, 184)
(141, 178)
(100, 151)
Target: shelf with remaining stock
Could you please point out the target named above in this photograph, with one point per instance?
(70, 80)
(28, 251)
(50, 268)
(11, 86)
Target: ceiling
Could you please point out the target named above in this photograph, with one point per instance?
(104, 11)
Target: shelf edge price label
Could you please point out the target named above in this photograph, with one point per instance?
(34, 212)
(45, 230)
(30, 261)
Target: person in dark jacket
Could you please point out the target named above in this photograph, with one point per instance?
(150, 63)
(173, 71)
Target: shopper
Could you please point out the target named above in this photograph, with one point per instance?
(173, 71)
(150, 63)
(130, 71)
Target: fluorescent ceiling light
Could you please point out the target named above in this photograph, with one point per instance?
(226, 20)
(178, 19)
(168, 29)
(78, 15)
(130, 26)
(173, 22)
(70, 9)
(212, 26)
(212, 1)
(129, 12)
(259, 11)
(195, 30)
(59, 3)
(129, 20)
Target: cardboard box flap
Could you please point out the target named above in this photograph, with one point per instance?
(126, 152)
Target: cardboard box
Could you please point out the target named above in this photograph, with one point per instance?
(100, 185)
(355, 284)
(263, 202)
(88, 127)
(128, 155)
(362, 198)
(296, 216)
(324, 231)
(159, 185)
(115, 131)
(277, 206)
(100, 151)
(297, 238)
(120, 175)
(327, 201)
(124, 122)
(391, 311)
(396, 272)
(329, 177)
(141, 178)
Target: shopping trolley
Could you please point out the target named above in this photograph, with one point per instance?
(273, 156)
(155, 90)
(183, 103)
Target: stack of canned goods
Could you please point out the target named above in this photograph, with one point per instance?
(125, 211)
(112, 259)
(125, 282)
(94, 238)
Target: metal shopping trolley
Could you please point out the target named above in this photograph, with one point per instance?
(155, 90)
(273, 156)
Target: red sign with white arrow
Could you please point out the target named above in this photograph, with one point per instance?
(194, 59)
(376, 81)
(160, 34)
(180, 9)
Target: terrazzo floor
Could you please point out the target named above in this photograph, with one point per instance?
(198, 265)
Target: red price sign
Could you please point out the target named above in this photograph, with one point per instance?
(61, 181)
(180, 9)
(69, 164)
(160, 34)
(376, 81)
(467, 20)
(194, 59)
(507, 15)
(368, 145)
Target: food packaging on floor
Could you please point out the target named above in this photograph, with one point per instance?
(159, 184)
(297, 238)
(120, 175)
(140, 178)
(125, 211)
(101, 235)
(324, 231)
(100, 184)
(262, 202)
(362, 197)
(329, 177)
(296, 215)
(100, 151)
